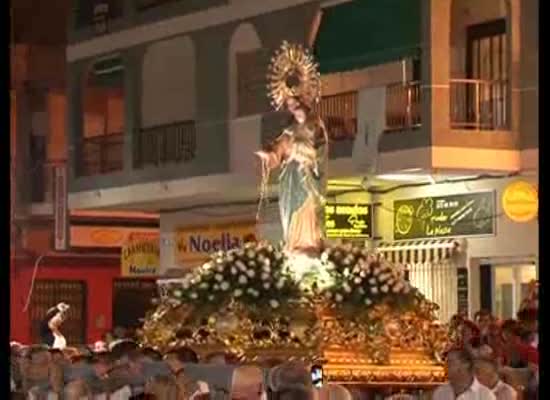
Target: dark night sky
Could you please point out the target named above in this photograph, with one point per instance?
(41, 21)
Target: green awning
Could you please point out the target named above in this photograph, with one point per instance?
(363, 33)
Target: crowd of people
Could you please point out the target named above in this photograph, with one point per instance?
(124, 370)
(493, 359)
(489, 359)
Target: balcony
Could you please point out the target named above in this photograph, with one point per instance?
(479, 104)
(170, 143)
(101, 154)
(403, 106)
(339, 113)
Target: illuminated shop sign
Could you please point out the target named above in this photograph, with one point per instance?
(348, 220)
(471, 214)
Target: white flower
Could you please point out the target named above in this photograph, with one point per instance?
(328, 295)
(204, 285)
(267, 262)
(240, 265)
(368, 301)
(224, 286)
(407, 288)
(374, 290)
(185, 285)
(234, 271)
(324, 257)
(376, 271)
(361, 290)
(347, 288)
(231, 258)
(251, 254)
(211, 297)
(219, 260)
(237, 293)
(280, 284)
(219, 268)
(363, 273)
(250, 273)
(218, 277)
(207, 266)
(346, 272)
(357, 280)
(265, 276)
(372, 281)
(255, 293)
(384, 288)
(274, 303)
(216, 287)
(267, 285)
(178, 293)
(397, 287)
(338, 297)
(243, 280)
(194, 295)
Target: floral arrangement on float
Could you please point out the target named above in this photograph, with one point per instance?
(256, 300)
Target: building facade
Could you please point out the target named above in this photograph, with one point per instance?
(422, 99)
(59, 254)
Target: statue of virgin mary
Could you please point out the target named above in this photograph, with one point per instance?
(300, 152)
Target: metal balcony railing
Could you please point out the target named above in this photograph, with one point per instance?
(176, 142)
(403, 106)
(479, 104)
(339, 113)
(101, 154)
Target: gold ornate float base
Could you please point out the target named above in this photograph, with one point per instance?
(405, 369)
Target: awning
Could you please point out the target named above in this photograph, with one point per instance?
(364, 33)
(419, 251)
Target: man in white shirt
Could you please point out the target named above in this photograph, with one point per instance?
(462, 385)
(487, 373)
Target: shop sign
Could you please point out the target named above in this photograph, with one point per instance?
(109, 237)
(471, 214)
(194, 245)
(347, 220)
(520, 201)
(140, 258)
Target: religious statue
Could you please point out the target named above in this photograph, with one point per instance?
(300, 151)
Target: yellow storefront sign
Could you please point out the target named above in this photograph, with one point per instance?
(140, 258)
(520, 201)
(194, 245)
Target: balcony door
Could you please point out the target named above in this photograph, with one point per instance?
(487, 70)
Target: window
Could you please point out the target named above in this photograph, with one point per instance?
(510, 287)
(47, 294)
(487, 70)
(103, 118)
(131, 300)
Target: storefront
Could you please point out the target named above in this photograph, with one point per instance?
(107, 279)
(467, 245)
